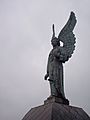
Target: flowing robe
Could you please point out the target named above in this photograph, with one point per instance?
(55, 72)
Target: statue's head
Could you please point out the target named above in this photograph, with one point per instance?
(55, 42)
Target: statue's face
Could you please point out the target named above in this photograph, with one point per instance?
(54, 42)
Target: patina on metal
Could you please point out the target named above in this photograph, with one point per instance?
(59, 55)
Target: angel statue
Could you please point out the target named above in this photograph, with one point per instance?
(59, 55)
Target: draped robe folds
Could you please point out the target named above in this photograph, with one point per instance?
(55, 72)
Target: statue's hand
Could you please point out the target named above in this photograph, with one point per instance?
(46, 76)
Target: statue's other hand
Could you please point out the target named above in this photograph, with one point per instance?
(46, 76)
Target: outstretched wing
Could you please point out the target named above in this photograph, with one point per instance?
(68, 38)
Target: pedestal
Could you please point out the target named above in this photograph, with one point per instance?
(56, 109)
(52, 99)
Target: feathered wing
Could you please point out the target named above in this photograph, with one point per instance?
(68, 38)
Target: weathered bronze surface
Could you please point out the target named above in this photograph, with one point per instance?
(59, 55)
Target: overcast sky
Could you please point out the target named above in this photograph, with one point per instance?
(25, 33)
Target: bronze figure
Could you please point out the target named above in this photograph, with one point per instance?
(59, 55)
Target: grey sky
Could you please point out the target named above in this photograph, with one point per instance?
(25, 33)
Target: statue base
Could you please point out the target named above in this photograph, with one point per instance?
(52, 99)
(52, 110)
